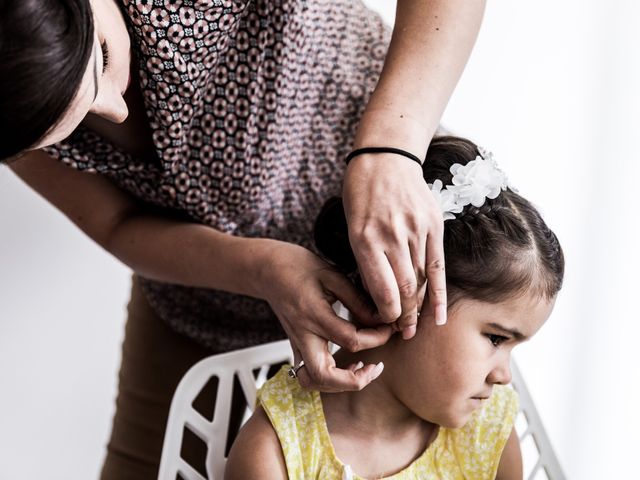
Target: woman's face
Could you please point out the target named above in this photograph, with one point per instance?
(451, 368)
(106, 77)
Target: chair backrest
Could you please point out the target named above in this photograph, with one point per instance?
(540, 461)
(241, 364)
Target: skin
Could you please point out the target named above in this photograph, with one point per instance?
(101, 92)
(436, 379)
(398, 244)
(299, 286)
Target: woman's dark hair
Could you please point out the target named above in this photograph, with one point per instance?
(45, 47)
(492, 253)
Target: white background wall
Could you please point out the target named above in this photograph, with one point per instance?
(552, 89)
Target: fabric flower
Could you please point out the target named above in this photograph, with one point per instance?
(477, 180)
(446, 199)
(473, 183)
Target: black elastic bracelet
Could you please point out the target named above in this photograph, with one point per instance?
(399, 151)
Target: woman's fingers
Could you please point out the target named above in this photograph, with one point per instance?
(375, 269)
(436, 278)
(395, 229)
(321, 373)
(391, 277)
(406, 281)
(355, 366)
(422, 292)
(302, 289)
(353, 300)
(347, 335)
(418, 249)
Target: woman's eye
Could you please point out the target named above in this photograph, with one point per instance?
(496, 340)
(105, 56)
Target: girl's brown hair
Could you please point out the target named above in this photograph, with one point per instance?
(492, 253)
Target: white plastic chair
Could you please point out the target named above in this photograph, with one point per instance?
(240, 364)
(540, 461)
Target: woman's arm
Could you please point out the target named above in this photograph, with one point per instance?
(153, 245)
(395, 226)
(431, 42)
(299, 286)
(256, 452)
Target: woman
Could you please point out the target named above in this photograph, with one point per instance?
(218, 129)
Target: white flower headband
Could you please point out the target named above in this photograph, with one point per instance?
(472, 184)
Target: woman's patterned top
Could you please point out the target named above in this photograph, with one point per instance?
(470, 452)
(253, 105)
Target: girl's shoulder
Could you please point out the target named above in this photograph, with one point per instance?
(256, 452)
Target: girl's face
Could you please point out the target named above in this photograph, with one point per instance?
(106, 77)
(448, 370)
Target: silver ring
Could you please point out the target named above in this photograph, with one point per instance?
(293, 371)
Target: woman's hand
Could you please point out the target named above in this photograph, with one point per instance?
(301, 288)
(395, 230)
(395, 227)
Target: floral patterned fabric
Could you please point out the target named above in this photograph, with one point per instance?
(252, 105)
(470, 452)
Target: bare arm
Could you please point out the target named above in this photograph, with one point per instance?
(395, 226)
(256, 452)
(431, 42)
(156, 246)
(299, 286)
(510, 467)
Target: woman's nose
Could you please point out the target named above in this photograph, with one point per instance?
(110, 106)
(501, 374)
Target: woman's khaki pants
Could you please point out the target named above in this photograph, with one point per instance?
(154, 359)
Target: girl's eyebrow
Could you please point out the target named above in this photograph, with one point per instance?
(513, 332)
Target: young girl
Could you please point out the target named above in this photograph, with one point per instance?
(440, 407)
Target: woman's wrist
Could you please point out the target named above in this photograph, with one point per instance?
(393, 128)
(269, 259)
(257, 266)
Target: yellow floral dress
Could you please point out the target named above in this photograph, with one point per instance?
(468, 453)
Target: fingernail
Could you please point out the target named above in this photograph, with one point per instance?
(409, 332)
(359, 365)
(377, 371)
(441, 315)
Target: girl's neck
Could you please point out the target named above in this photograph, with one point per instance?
(375, 421)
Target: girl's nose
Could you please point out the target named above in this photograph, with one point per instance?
(500, 374)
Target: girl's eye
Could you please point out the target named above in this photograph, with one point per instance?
(496, 340)
(105, 56)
